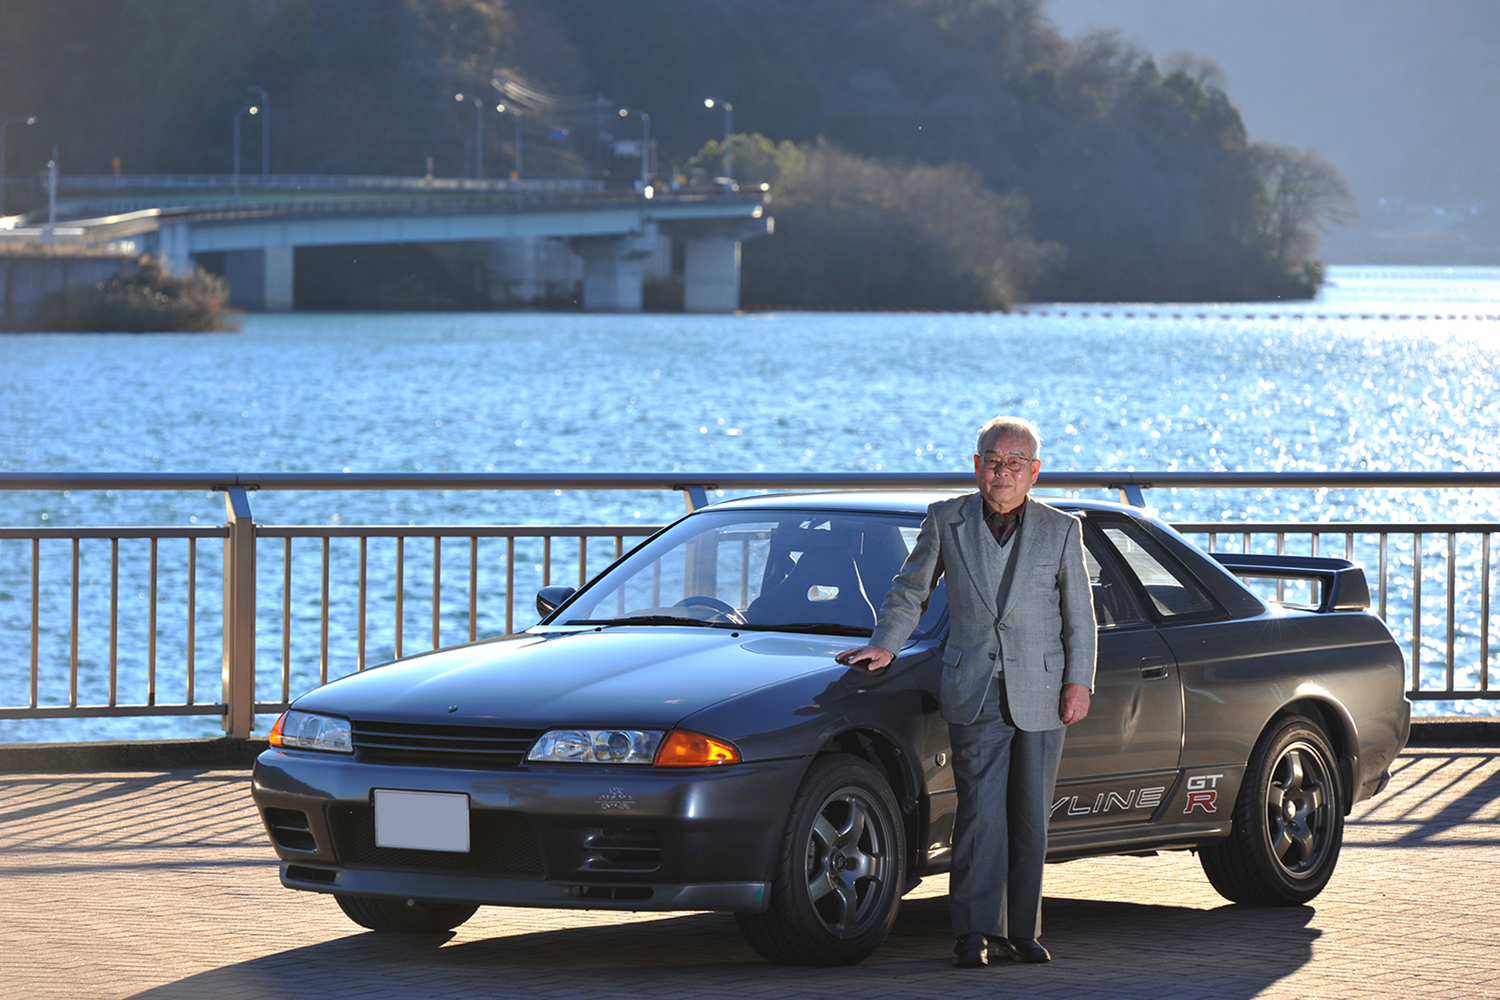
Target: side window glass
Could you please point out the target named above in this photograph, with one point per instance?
(1113, 602)
(1172, 592)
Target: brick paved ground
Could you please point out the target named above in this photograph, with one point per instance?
(162, 885)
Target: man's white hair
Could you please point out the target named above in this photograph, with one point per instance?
(1016, 427)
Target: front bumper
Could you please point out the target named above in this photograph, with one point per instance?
(554, 835)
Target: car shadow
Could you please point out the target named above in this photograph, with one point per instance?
(1128, 949)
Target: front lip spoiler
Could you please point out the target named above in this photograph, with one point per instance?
(738, 897)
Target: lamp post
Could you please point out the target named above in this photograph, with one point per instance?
(478, 135)
(27, 119)
(516, 112)
(265, 130)
(253, 110)
(503, 87)
(645, 143)
(728, 133)
(52, 194)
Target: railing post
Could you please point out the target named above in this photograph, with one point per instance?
(696, 494)
(239, 615)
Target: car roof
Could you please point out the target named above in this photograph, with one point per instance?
(887, 502)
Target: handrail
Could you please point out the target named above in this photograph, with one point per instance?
(708, 480)
(1450, 558)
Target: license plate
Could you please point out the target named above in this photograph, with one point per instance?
(423, 821)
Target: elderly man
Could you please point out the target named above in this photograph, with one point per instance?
(1018, 668)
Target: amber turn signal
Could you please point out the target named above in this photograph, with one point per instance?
(684, 749)
(275, 739)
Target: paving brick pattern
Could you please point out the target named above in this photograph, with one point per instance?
(162, 885)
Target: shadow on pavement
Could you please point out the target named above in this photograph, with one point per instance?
(1118, 949)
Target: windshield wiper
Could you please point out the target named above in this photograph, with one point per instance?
(836, 628)
(642, 620)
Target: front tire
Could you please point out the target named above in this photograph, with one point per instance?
(404, 916)
(1288, 821)
(839, 871)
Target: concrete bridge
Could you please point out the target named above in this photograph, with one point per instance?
(257, 223)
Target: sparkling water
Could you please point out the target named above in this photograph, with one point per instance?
(1391, 369)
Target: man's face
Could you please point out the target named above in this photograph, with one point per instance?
(1003, 487)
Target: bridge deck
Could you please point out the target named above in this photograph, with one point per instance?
(162, 885)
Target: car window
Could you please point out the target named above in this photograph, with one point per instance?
(1114, 604)
(757, 569)
(1172, 592)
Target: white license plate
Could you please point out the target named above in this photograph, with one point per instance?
(424, 821)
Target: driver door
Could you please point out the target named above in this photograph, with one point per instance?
(1121, 761)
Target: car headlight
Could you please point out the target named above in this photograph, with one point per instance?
(306, 731)
(597, 746)
(678, 748)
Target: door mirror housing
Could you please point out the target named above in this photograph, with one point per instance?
(548, 598)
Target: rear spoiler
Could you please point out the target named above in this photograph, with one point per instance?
(1341, 584)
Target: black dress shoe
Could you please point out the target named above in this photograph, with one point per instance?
(1023, 950)
(971, 951)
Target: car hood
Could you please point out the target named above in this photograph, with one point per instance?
(644, 677)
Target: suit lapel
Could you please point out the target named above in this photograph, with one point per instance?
(972, 540)
(1023, 560)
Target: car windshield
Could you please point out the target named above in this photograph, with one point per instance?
(755, 569)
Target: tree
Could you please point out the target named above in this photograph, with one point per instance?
(1305, 195)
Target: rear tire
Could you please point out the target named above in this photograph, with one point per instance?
(1288, 821)
(839, 871)
(404, 916)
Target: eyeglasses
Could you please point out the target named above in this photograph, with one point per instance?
(1010, 463)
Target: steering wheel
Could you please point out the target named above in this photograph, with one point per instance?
(726, 611)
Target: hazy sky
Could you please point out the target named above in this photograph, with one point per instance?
(1403, 96)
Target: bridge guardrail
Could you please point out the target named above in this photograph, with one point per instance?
(1436, 598)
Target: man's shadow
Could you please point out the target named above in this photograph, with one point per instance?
(1232, 952)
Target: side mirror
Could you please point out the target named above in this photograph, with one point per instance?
(548, 598)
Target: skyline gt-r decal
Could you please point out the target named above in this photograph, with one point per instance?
(1106, 801)
(1200, 792)
(1203, 793)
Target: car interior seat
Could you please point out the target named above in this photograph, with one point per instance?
(822, 584)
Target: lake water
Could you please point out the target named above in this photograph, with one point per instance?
(1391, 369)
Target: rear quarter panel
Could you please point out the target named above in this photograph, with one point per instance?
(1237, 675)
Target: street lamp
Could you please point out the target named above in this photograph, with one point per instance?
(27, 119)
(645, 144)
(728, 133)
(265, 130)
(478, 135)
(517, 113)
(253, 110)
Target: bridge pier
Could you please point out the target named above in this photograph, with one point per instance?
(261, 280)
(174, 242)
(711, 261)
(614, 268)
(710, 275)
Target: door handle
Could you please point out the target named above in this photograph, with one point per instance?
(1153, 668)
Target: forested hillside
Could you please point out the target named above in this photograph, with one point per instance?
(950, 153)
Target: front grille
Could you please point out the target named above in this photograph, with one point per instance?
(500, 843)
(629, 850)
(422, 745)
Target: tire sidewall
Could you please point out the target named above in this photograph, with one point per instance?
(828, 777)
(1253, 809)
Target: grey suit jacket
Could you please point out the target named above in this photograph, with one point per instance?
(1045, 632)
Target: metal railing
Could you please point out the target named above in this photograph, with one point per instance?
(1436, 598)
(313, 182)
